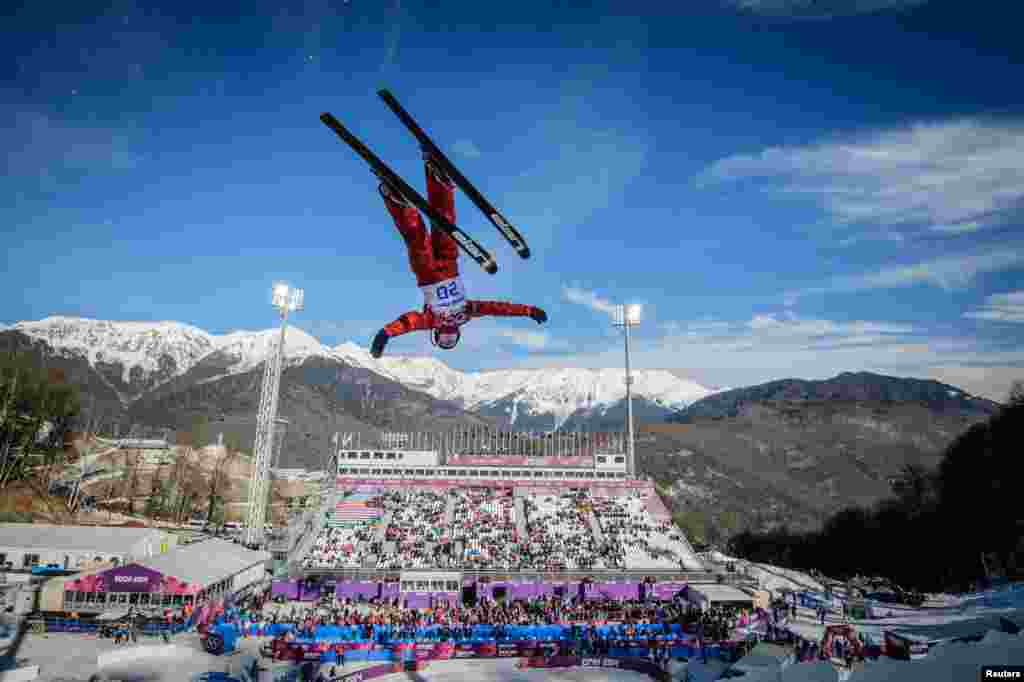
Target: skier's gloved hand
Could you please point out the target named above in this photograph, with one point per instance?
(379, 341)
(538, 316)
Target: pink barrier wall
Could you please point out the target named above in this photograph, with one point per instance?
(517, 461)
(604, 486)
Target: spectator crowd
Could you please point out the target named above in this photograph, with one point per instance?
(483, 528)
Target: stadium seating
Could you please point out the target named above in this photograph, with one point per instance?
(479, 528)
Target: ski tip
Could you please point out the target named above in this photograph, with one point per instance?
(490, 267)
(524, 253)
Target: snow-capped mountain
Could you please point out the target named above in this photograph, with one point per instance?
(136, 357)
(553, 395)
(147, 347)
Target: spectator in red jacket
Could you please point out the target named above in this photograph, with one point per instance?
(433, 257)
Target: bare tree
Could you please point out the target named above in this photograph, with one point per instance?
(131, 478)
(219, 481)
(1017, 393)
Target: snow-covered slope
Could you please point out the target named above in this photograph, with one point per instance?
(558, 392)
(250, 349)
(152, 353)
(146, 345)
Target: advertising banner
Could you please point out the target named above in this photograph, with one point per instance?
(464, 651)
(508, 650)
(634, 664)
(132, 578)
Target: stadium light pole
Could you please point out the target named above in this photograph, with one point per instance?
(627, 316)
(285, 299)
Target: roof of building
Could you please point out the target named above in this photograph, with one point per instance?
(206, 562)
(101, 539)
(721, 593)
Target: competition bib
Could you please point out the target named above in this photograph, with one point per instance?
(447, 299)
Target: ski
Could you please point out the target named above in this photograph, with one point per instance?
(506, 229)
(400, 186)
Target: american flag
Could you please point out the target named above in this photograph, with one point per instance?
(355, 510)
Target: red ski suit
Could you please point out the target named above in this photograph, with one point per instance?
(433, 257)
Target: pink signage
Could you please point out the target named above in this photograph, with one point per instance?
(518, 461)
(485, 461)
(131, 578)
(599, 487)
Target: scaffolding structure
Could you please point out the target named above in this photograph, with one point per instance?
(285, 299)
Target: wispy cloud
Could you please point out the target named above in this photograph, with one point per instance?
(466, 147)
(819, 9)
(789, 330)
(1008, 307)
(947, 179)
(768, 347)
(57, 151)
(532, 341)
(585, 164)
(947, 273)
(589, 299)
(391, 52)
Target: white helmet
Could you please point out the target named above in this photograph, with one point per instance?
(447, 337)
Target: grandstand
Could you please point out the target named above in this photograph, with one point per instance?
(491, 508)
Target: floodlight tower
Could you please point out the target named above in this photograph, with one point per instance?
(627, 316)
(286, 299)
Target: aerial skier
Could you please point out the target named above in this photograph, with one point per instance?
(434, 259)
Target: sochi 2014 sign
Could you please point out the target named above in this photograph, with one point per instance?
(132, 578)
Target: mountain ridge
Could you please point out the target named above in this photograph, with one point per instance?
(785, 452)
(151, 354)
(845, 386)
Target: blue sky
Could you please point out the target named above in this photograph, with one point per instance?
(787, 191)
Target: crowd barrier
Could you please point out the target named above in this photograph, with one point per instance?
(386, 633)
(328, 652)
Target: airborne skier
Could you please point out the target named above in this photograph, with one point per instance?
(433, 257)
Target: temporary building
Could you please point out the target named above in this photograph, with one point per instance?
(203, 570)
(707, 596)
(24, 545)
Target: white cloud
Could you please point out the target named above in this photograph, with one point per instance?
(532, 341)
(769, 347)
(948, 178)
(948, 273)
(467, 148)
(590, 300)
(1008, 307)
(819, 9)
